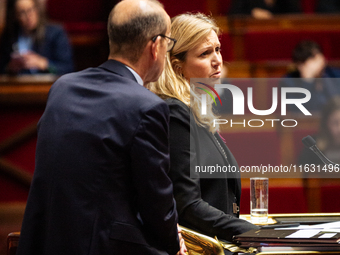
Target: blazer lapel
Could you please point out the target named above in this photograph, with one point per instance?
(219, 145)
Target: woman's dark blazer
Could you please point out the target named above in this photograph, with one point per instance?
(55, 47)
(205, 205)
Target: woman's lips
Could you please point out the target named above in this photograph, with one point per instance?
(216, 75)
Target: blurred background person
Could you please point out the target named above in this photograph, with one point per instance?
(328, 6)
(210, 206)
(264, 9)
(328, 137)
(29, 45)
(310, 64)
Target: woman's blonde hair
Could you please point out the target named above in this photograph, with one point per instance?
(189, 30)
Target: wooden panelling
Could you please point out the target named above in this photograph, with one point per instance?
(296, 22)
(262, 69)
(22, 100)
(255, 39)
(2, 14)
(25, 89)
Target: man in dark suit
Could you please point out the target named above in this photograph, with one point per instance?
(100, 185)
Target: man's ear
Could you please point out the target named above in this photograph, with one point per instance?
(155, 47)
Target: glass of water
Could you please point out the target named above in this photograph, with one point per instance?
(259, 200)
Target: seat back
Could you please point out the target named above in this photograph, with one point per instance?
(12, 243)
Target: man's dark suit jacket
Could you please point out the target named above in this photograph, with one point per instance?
(205, 205)
(100, 185)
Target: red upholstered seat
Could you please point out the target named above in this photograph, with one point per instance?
(175, 8)
(76, 10)
(278, 45)
(226, 47)
(309, 6)
(88, 27)
(224, 6)
(281, 200)
(80, 17)
(330, 195)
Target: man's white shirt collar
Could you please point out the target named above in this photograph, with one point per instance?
(138, 78)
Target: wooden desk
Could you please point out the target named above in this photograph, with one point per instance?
(301, 22)
(202, 244)
(280, 34)
(25, 89)
(277, 217)
(308, 216)
(261, 69)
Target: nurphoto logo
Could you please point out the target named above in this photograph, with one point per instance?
(239, 98)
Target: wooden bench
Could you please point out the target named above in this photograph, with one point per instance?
(12, 243)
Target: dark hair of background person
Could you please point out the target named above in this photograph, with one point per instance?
(305, 50)
(130, 38)
(12, 26)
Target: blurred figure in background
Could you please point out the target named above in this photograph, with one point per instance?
(328, 138)
(310, 64)
(328, 6)
(29, 45)
(264, 9)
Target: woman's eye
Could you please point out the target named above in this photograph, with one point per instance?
(205, 53)
(218, 49)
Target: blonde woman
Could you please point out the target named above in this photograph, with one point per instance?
(206, 205)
